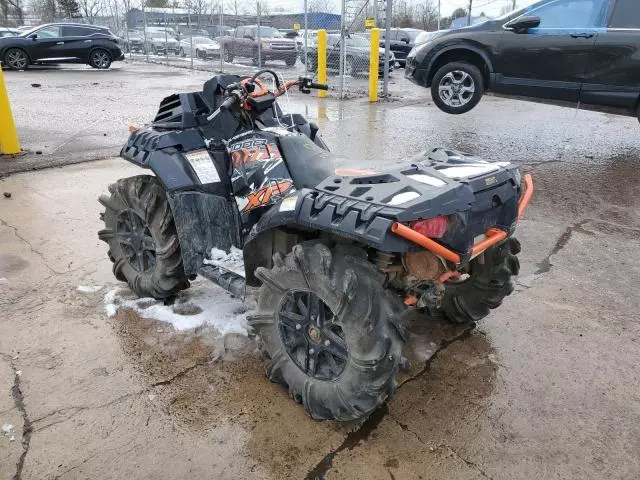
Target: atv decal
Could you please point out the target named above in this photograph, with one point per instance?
(264, 195)
(253, 150)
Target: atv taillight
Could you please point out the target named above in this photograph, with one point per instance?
(432, 227)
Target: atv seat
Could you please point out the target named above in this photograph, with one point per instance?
(308, 164)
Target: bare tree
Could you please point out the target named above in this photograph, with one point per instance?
(90, 9)
(426, 15)
(199, 8)
(11, 8)
(319, 5)
(402, 14)
(45, 9)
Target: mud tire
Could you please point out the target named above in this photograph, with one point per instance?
(367, 313)
(490, 282)
(144, 196)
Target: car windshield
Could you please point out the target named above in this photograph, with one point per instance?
(29, 31)
(270, 32)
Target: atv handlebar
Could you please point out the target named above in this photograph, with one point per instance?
(252, 87)
(228, 103)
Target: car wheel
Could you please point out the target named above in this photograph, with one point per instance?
(16, 59)
(100, 58)
(182, 54)
(228, 56)
(290, 62)
(254, 58)
(457, 87)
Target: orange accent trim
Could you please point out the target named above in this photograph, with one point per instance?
(526, 196)
(447, 275)
(410, 300)
(287, 85)
(494, 235)
(425, 242)
(133, 128)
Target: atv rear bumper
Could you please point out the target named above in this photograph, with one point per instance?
(493, 235)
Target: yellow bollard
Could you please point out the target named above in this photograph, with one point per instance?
(9, 143)
(322, 60)
(374, 64)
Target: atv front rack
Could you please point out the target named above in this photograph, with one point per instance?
(493, 235)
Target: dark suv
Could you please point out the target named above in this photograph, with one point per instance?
(585, 51)
(401, 42)
(61, 43)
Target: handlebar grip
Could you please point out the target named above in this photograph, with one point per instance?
(319, 86)
(228, 103)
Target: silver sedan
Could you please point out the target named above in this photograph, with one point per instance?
(199, 47)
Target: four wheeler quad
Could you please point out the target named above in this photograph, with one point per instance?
(335, 258)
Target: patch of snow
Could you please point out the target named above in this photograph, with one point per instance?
(216, 307)
(18, 372)
(12, 438)
(232, 261)
(4, 281)
(7, 429)
(89, 288)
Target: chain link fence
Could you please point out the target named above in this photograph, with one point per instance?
(220, 42)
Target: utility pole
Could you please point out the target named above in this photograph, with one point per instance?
(259, 37)
(469, 16)
(306, 35)
(387, 47)
(514, 5)
(440, 15)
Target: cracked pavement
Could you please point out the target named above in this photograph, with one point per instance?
(545, 387)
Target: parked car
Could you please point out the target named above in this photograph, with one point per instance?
(561, 51)
(215, 31)
(357, 52)
(199, 47)
(401, 42)
(244, 43)
(133, 41)
(62, 43)
(9, 32)
(160, 44)
(193, 32)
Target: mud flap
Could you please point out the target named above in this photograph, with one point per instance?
(204, 221)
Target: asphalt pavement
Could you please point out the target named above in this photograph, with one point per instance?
(545, 387)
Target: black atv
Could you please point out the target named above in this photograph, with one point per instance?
(334, 257)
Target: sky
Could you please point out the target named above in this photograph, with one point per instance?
(490, 7)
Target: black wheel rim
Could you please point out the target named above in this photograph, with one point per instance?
(101, 59)
(16, 59)
(311, 336)
(136, 241)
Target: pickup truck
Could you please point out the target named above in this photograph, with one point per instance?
(244, 43)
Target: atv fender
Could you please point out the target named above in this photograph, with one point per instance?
(284, 226)
(203, 221)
